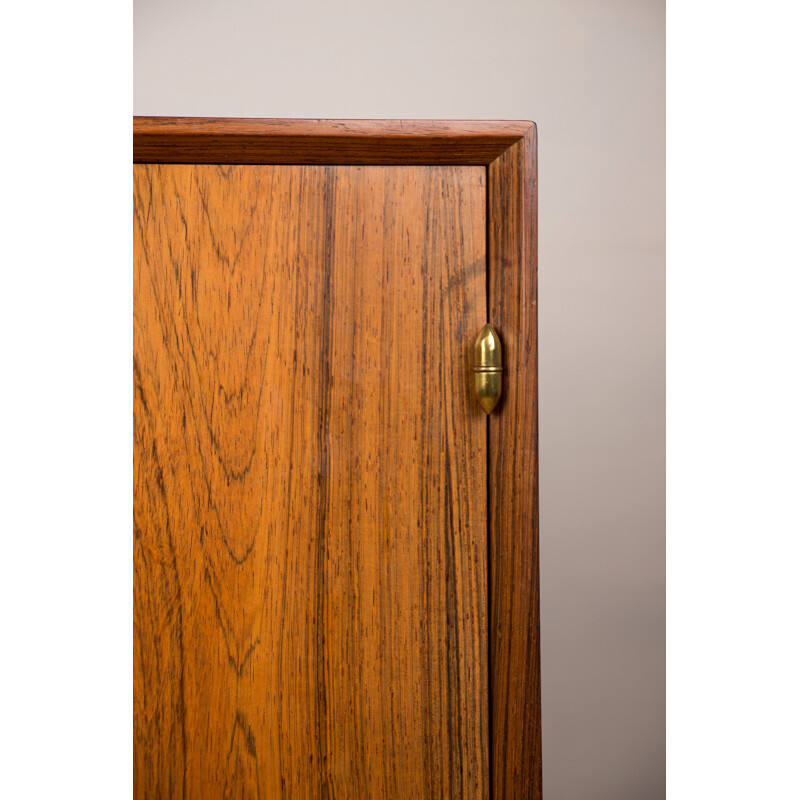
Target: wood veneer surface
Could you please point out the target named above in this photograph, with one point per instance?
(310, 554)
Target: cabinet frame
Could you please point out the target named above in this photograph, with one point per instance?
(508, 151)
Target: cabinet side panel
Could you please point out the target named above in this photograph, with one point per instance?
(514, 480)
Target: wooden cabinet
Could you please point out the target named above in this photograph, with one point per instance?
(335, 549)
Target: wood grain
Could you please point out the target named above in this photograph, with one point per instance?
(196, 140)
(514, 479)
(310, 559)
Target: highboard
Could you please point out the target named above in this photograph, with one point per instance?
(335, 547)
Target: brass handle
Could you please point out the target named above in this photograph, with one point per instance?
(487, 368)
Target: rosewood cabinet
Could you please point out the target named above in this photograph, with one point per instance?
(335, 548)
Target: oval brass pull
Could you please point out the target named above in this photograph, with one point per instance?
(487, 367)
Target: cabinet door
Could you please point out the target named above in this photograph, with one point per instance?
(310, 469)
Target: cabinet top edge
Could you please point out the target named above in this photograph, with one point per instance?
(319, 141)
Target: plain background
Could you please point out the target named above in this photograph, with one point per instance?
(591, 74)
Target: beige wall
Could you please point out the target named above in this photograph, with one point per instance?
(590, 73)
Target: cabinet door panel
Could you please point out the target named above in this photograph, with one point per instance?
(310, 548)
